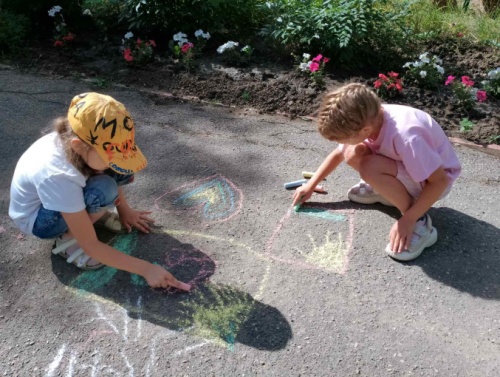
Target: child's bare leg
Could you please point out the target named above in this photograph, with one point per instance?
(353, 154)
(93, 217)
(380, 172)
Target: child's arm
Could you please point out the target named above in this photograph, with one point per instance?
(82, 230)
(130, 217)
(303, 193)
(400, 235)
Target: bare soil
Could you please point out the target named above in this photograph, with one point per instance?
(270, 87)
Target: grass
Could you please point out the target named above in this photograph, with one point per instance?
(427, 19)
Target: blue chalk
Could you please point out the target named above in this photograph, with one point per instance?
(291, 185)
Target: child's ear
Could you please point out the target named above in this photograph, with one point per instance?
(78, 146)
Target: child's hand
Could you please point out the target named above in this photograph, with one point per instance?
(400, 235)
(302, 194)
(158, 277)
(137, 219)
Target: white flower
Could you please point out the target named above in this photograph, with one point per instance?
(279, 19)
(206, 35)
(128, 35)
(54, 10)
(198, 33)
(423, 74)
(226, 46)
(87, 12)
(306, 56)
(247, 49)
(304, 66)
(423, 56)
(494, 73)
(180, 36)
(437, 60)
(408, 65)
(439, 68)
(418, 64)
(425, 59)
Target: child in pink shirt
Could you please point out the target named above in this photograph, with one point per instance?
(402, 155)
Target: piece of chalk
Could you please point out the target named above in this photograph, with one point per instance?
(309, 174)
(294, 184)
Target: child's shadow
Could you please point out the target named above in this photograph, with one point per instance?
(466, 255)
(217, 312)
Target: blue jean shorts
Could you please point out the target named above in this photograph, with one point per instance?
(100, 193)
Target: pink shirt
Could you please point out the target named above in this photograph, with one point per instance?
(414, 138)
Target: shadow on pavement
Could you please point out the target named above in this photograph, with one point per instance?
(466, 256)
(213, 311)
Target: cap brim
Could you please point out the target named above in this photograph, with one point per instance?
(125, 164)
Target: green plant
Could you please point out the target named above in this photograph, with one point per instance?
(425, 72)
(62, 35)
(137, 51)
(495, 139)
(185, 51)
(464, 91)
(466, 125)
(492, 84)
(245, 95)
(100, 83)
(233, 55)
(350, 30)
(314, 68)
(13, 28)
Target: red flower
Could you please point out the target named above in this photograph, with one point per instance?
(377, 84)
(186, 47)
(393, 74)
(399, 86)
(314, 66)
(127, 54)
(69, 37)
(326, 60)
(467, 81)
(139, 42)
(383, 77)
(152, 43)
(481, 95)
(460, 35)
(58, 43)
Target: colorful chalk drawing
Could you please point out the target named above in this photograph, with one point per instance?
(214, 199)
(217, 311)
(332, 255)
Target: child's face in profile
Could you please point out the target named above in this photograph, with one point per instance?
(94, 161)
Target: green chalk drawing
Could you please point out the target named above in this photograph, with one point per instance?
(321, 213)
(218, 313)
(139, 280)
(91, 281)
(331, 255)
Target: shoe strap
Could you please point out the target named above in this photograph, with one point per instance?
(63, 245)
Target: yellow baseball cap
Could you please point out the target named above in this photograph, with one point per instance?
(105, 124)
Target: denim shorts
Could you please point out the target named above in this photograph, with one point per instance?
(100, 193)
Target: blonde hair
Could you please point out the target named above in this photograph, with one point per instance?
(345, 111)
(66, 134)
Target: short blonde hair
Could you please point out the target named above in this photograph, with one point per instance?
(345, 111)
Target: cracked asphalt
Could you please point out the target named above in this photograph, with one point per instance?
(278, 293)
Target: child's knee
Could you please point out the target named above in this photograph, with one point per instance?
(354, 154)
(100, 192)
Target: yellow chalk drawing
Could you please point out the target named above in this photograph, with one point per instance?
(331, 255)
(217, 313)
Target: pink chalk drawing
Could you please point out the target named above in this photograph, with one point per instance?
(214, 199)
(192, 267)
(332, 255)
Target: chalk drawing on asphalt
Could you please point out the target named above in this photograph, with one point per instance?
(212, 200)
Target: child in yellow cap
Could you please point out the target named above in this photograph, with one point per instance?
(68, 180)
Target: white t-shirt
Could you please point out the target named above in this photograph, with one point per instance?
(44, 176)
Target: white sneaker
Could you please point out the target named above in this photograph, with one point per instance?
(424, 235)
(363, 193)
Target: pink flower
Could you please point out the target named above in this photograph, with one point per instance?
(58, 43)
(314, 66)
(460, 35)
(326, 60)
(152, 43)
(399, 87)
(481, 95)
(467, 81)
(393, 74)
(139, 42)
(377, 84)
(383, 77)
(127, 55)
(186, 47)
(449, 80)
(318, 58)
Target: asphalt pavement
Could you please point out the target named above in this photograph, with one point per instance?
(278, 292)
